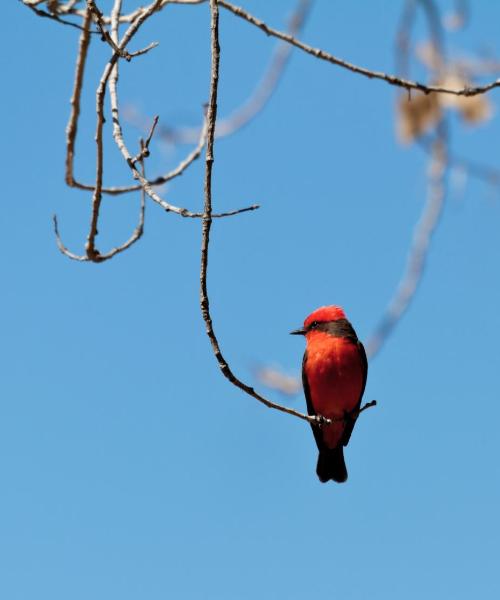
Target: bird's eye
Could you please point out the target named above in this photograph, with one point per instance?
(314, 324)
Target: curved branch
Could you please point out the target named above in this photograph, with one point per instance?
(136, 235)
(422, 237)
(205, 241)
(316, 52)
(62, 247)
(326, 56)
(72, 126)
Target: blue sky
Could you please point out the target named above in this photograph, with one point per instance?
(129, 467)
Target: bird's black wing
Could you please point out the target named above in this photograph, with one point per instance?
(350, 422)
(310, 409)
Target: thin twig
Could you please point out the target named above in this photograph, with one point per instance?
(184, 164)
(144, 151)
(42, 13)
(90, 248)
(364, 407)
(63, 248)
(97, 16)
(121, 51)
(326, 56)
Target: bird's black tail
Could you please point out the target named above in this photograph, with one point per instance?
(331, 465)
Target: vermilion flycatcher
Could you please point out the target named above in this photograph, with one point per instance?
(334, 371)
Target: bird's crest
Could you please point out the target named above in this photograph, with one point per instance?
(325, 314)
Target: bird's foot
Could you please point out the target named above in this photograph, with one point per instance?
(320, 420)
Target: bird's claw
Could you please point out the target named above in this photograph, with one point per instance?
(321, 420)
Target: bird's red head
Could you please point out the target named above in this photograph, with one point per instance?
(324, 314)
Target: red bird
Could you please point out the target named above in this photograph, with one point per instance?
(334, 371)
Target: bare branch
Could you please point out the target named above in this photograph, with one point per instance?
(422, 237)
(207, 221)
(63, 248)
(440, 159)
(322, 55)
(72, 126)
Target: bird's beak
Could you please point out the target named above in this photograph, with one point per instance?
(300, 331)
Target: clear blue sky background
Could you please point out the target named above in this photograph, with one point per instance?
(129, 468)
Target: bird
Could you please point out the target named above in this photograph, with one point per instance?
(334, 372)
